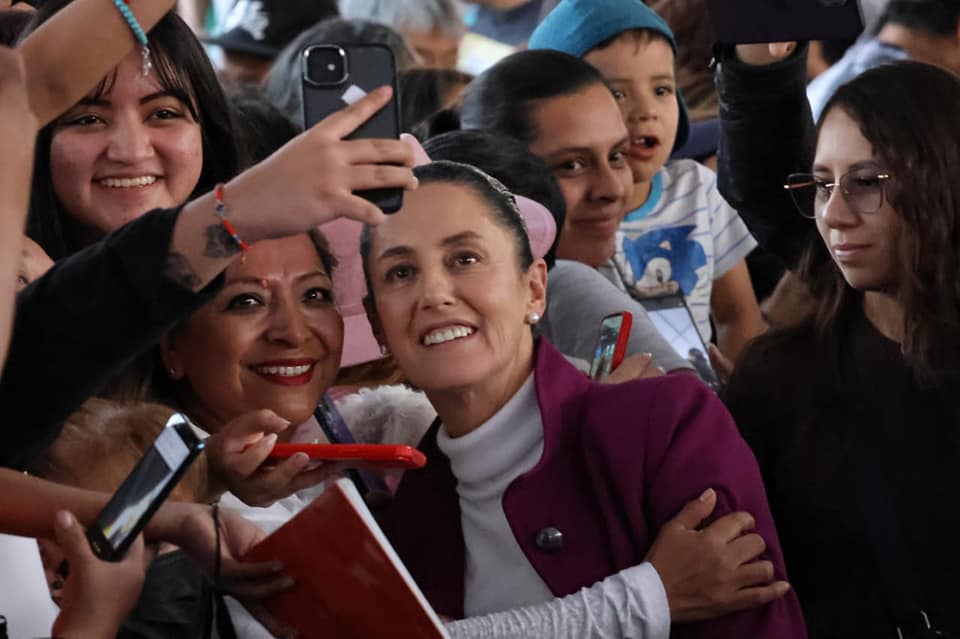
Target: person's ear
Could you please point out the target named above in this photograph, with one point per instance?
(537, 284)
(171, 357)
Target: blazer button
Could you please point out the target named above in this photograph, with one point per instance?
(550, 539)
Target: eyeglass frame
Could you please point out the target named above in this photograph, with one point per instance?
(790, 188)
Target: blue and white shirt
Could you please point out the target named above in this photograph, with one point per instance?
(683, 238)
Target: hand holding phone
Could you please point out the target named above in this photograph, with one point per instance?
(612, 344)
(144, 489)
(359, 455)
(336, 76)
(237, 453)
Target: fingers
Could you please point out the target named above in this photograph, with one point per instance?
(382, 176)
(249, 570)
(379, 151)
(254, 424)
(731, 526)
(758, 596)
(356, 208)
(71, 539)
(755, 573)
(721, 364)
(344, 122)
(310, 478)
(781, 50)
(420, 156)
(747, 548)
(696, 511)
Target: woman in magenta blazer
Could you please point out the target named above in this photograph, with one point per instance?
(539, 482)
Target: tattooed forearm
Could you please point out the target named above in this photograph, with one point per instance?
(219, 242)
(178, 269)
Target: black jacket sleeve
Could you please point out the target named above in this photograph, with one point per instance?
(766, 133)
(81, 324)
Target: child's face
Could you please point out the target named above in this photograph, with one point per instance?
(639, 68)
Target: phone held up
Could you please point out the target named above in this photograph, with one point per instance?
(785, 20)
(612, 345)
(337, 75)
(144, 489)
(673, 320)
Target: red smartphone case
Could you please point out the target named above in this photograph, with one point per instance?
(380, 455)
(622, 338)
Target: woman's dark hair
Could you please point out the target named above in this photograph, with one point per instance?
(508, 161)
(13, 23)
(261, 127)
(499, 201)
(183, 69)
(922, 158)
(423, 94)
(499, 99)
(283, 84)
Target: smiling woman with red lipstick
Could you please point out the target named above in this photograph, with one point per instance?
(853, 413)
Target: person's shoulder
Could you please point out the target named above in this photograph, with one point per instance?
(651, 400)
(685, 174)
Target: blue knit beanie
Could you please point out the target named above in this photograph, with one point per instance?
(577, 26)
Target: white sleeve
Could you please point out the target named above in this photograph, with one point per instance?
(732, 241)
(631, 604)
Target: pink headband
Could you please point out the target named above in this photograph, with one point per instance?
(349, 284)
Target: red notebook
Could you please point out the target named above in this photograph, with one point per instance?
(349, 582)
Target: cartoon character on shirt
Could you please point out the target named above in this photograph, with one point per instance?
(662, 261)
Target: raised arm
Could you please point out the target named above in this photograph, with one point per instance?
(68, 54)
(91, 314)
(766, 133)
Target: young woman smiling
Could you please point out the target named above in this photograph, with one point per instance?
(862, 436)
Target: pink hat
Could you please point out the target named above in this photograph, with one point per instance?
(350, 286)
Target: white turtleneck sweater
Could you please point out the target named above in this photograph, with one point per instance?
(504, 595)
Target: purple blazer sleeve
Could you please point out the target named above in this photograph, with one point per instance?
(694, 445)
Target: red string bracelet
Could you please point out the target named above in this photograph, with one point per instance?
(221, 211)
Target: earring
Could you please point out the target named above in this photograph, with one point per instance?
(173, 373)
(384, 350)
(533, 317)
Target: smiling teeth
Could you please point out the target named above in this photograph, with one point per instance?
(126, 183)
(447, 335)
(283, 371)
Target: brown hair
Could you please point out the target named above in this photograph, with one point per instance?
(102, 442)
(915, 142)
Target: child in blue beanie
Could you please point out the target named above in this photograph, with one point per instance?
(678, 234)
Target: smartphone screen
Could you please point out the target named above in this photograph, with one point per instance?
(142, 492)
(337, 75)
(672, 319)
(605, 356)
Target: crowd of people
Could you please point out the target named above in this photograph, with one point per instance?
(175, 242)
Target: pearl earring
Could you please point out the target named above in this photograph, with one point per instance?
(173, 373)
(384, 351)
(533, 317)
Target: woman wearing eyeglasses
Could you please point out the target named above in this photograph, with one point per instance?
(852, 414)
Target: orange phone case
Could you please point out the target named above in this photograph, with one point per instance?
(380, 455)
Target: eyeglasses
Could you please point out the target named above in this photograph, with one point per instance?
(862, 189)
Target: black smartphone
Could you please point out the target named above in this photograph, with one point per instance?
(371, 486)
(755, 21)
(337, 75)
(144, 489)
(673, 320)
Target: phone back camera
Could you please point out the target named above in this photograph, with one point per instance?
(325, 65)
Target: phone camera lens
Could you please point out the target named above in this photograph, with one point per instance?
(325, 65)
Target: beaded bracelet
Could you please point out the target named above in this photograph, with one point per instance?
(221, 211)
(138, 33)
